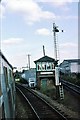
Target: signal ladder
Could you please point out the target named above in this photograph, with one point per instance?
(61, 92)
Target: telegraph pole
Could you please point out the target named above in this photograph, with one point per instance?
(28, 61)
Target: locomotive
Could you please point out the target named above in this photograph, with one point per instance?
(7, 89)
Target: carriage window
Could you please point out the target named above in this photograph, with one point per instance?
(0, 87)
(6, 75)
(10, 74)
(0, 80)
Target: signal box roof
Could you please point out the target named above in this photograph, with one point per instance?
(45, 59)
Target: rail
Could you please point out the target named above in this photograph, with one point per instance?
(41, 108)
(71, 86)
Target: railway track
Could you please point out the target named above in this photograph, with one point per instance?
(40, 107)
(71, 86)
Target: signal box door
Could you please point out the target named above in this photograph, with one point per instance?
(43, 83)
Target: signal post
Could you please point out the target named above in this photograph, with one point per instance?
(59, 87)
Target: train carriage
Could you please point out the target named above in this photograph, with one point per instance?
(7, 89)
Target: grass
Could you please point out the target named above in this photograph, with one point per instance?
(49, 91)
(69, 101)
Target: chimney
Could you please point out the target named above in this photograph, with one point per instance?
(43, 50)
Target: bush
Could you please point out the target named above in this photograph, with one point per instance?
(72, 77)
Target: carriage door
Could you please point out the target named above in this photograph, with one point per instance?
(5, 92)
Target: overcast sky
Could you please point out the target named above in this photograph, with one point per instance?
(26, 25)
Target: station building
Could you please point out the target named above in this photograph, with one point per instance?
(45, 71)
(70, 66)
